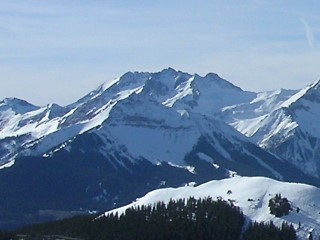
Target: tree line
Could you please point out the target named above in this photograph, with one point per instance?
(182, 219)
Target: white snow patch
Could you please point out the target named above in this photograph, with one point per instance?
(295, 97)
(191, 169)
(216, 166)
(156, 144)
(8, 164)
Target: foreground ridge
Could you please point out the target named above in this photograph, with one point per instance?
(252, 195)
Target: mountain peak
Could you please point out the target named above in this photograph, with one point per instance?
(316, 85)
(17, 105)
(212, 75)
(169, 70)
(220, 81)
(310, 93)
(172, 74)
(14, 101)
(164, 83)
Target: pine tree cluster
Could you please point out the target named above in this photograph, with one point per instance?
(6, 235)
(279, 206)
(190, 219)
(267, 231)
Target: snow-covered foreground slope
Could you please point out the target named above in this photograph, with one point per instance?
(252, 195)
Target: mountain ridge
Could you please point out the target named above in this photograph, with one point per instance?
(91, 110)
(290, 130)
(252, 195)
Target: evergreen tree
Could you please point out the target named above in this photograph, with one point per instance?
(190, 219)
(279, 206)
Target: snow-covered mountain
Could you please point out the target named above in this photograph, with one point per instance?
(252, 195)
(29, 130)
(158, 117)
(287, 125)
(246, 116)
(139, 132)
(141, 128)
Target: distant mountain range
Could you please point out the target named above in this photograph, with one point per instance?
(145, 131)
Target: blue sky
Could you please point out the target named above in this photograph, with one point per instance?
(57, 51)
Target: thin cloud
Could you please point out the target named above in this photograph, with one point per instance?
(309, 32)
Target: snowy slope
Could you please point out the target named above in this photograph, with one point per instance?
(300, 131)
(247, 117)
(259, 190)
(286, 123)
(150, 130)
(21, 124)
(26, 129)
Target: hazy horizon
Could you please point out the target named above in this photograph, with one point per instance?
(57, 51)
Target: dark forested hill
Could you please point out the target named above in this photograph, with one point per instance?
(190, 219)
